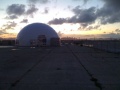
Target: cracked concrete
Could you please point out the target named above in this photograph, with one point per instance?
(58, 68)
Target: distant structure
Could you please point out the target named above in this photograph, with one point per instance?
(7, 42)
(37, 34)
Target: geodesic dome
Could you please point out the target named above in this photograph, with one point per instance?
(32, 32)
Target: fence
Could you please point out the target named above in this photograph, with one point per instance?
(107, 45)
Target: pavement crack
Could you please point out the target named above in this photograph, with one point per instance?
(29, 70)
(97, 84)
(93, 79)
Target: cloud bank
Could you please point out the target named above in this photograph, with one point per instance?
(7, 26)
(24, 21)
(81, 16)
(16, 9)
(11, 17)
(31, 10)
(109, 13)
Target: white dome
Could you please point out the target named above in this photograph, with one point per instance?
(32, 31)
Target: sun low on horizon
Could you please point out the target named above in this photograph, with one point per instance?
(69, 18)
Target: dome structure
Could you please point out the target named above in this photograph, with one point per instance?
(37, 34)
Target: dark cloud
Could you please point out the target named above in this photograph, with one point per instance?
(85, 1)
(57, 21)
(38, 1)
(76, 10)
(96, 26)
(24, 21)
(84, 24)
(110, 12)
(46, 10)
(32, 9)
(11, 17)
(9, 25)
(33, 1)
(84, 15)
(81, 16)
(2, 31)
(16, 9)
(92, 27)
(113, 3)
(117, 30)
(87, 27)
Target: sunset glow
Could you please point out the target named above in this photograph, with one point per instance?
(67, 17)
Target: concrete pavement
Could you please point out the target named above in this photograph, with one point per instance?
(58, 68)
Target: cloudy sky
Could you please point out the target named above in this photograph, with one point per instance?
(76, 18)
